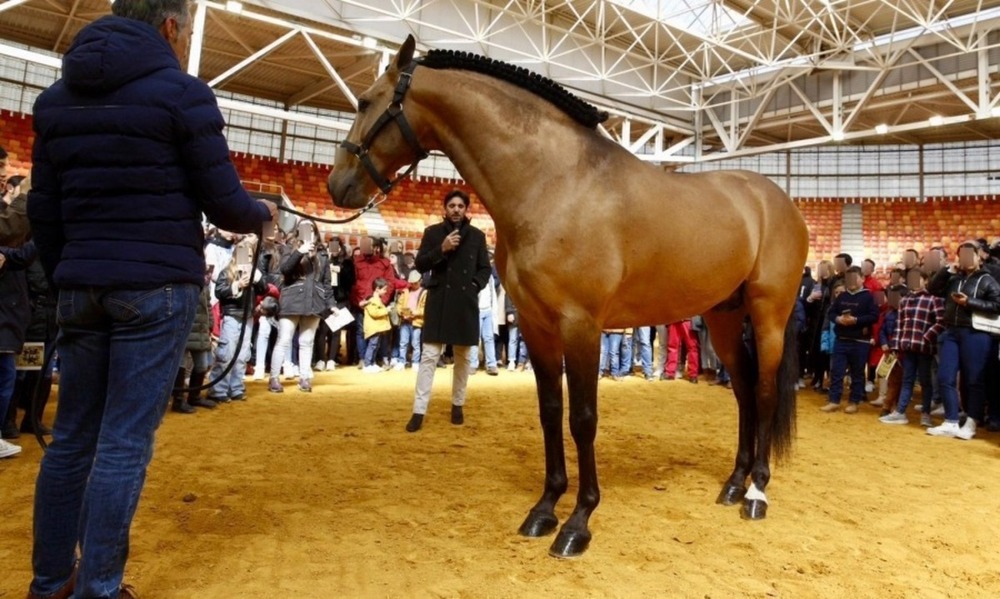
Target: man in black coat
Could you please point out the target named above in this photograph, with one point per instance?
(454, 254)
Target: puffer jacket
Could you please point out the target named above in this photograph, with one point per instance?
(200, 337)
(128, 154)
(982, 290)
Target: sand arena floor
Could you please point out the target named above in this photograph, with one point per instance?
(325, 495)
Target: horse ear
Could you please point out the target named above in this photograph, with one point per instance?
(405, 55)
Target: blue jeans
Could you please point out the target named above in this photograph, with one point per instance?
(371, 348)
(119, 352)
(489, 345)
(965, 349)
(851, 355)
(625, 359)
(409, 338)
(611, 346)
(642, 338)
(916, 365)
(229, 335)
(8, 376)
(517, 351)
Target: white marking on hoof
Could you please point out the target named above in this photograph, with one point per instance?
(754, 493)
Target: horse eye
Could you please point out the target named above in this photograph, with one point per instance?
(363, 105)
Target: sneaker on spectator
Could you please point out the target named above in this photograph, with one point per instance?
(830, 407)
(373, 369)
(398, 366)
(967, 430)
(878, 403)
(258, 374)
(8, 450)
(319, 366)
(894, 418)
(938, 411)
(925, 420)
(290, 371)
(869, 386)
(331, 365)
(945, 429)
(511, 367)
(852, 408)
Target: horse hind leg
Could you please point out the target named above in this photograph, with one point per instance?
(777, 375)
(725, 327)
(546, 360)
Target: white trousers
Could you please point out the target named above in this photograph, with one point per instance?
(425, 375)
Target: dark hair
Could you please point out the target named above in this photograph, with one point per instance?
(899, 271)
(902, 290)
(854, 269)
(16, 180)
(410, 254)
(870, 261)
(846, 258)
(459, 193)
(154, 12)
(913, 251)
(379, 282)
(3, 153)
(942, 249)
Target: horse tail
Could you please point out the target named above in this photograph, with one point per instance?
(783, 423)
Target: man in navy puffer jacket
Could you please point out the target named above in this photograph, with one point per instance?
(128, 154)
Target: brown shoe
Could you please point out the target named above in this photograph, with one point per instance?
(65, 592)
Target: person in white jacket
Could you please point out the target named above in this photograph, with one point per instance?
(487, 330)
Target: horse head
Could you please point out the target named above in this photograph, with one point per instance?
(381, 140)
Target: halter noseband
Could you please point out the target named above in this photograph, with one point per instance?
(393, 112)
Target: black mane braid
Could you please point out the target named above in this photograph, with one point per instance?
(545, 88)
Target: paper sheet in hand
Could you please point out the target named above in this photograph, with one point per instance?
(341, 319)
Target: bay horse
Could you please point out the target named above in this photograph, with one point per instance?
(659, 247)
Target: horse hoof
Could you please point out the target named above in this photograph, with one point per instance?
(570, 544)
(538, 524)
(730, 495)
(754, 509)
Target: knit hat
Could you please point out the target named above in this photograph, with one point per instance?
(414, 277)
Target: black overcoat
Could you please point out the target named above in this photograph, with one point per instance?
(451, 315)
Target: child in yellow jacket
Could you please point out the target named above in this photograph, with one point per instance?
(376, 323)
(411, 303)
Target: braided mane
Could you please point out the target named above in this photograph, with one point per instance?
(547, 89)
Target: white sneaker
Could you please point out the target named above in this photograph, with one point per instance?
(925, 420)
(869, 387)
(290, 371)
(373, 369)
(945, 429)
(938, 411)
(319, 366)
(331, 365)
(877, 403)
(399, 366)
(8, 450)
(968, 431)
(511, 367)
(894, 418)
(258, 374)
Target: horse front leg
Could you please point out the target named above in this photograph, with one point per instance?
(582, 345)
(546, 360)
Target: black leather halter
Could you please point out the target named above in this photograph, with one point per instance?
(393, 112)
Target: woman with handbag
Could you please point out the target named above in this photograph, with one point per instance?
(305, 297)
(967, 289)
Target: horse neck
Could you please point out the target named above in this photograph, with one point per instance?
(496, 134)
